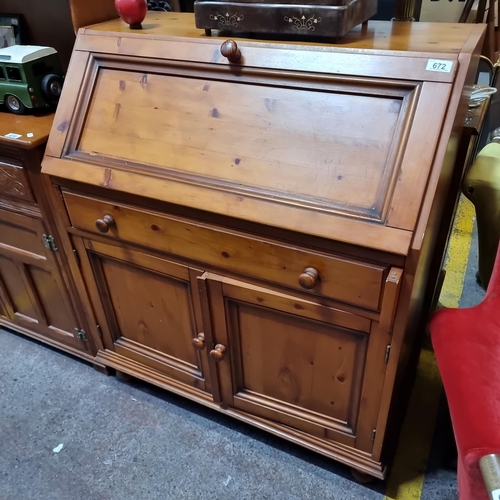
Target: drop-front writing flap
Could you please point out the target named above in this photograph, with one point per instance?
(331, 151)
(337, 156)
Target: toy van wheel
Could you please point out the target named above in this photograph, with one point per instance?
(52, 86)
(14, 105)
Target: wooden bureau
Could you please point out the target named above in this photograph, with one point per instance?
(263, 234)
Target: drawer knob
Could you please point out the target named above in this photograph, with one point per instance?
(199, 341)
(309, 278)
(230, 50)
(105, 224)
(218, 353)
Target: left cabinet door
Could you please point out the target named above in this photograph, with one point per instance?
(33, 297)
(149, 312)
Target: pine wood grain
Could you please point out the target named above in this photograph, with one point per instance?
(290, 361)
(378, 35)
(279, 142)
(32, 129)
(150, 310)
(296, 144)
(343, 279)
(33, 292)
(198, 168)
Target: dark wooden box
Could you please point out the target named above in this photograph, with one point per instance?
(327, 18)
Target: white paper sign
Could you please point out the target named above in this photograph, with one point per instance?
(439, 65)
(12, 136)
(495, 495)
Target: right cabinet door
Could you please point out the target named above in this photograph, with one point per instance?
(311, 367)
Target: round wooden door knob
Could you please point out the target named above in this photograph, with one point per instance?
(309, 278)
(230, 50)
(199, 341)
(218, 353)
(105, 224)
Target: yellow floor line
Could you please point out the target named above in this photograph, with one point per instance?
(406, 478)
(458, 254)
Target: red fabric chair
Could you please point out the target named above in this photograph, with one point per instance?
(467, 347)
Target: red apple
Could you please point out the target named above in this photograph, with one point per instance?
(132, 12)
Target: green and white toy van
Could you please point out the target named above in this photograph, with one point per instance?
(30, 78)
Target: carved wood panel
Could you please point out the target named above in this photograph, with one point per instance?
(14, 182)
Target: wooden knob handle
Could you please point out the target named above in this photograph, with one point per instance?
(199, 341)
(230, 50)
(218, 353)
(309, 278)
(103, 225)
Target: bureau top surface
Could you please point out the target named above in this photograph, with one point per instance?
(378, 35)
(27, 131)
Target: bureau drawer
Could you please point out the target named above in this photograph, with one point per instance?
(14, 182)
(351, 281)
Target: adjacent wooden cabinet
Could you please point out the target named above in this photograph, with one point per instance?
(35, 296)
(264, 234)
(31, 286)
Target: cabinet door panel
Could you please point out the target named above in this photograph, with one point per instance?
(33, 293)
(36, 301)
(320, 374)
(21, 233)
(151, 309)
(50, 300)
(147, 310)
(296, 362)
(17, 290)
(4, 312)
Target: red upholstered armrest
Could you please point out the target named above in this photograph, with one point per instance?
(467, 347)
